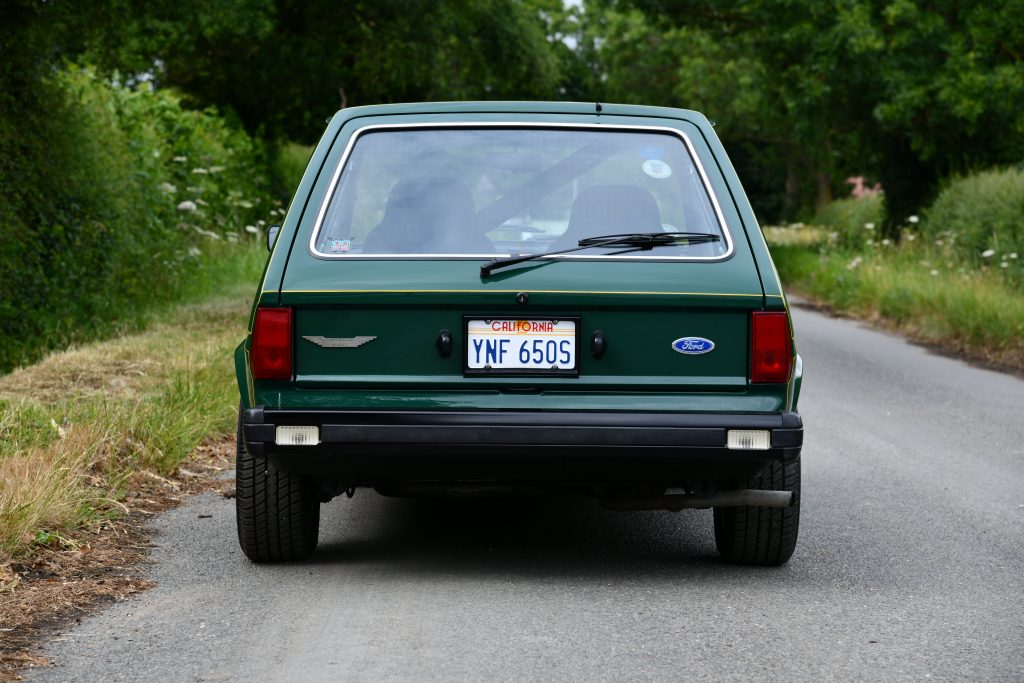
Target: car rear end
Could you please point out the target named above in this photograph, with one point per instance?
(429, 322)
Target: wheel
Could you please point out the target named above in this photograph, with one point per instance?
(278, 514)
(759, 535)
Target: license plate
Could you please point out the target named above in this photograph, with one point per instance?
(528, 346)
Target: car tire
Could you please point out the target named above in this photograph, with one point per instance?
(278, 514)
(761, 535)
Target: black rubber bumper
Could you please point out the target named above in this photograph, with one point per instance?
(401, 444)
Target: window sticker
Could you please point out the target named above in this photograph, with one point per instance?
(341, 246)
(657, 169)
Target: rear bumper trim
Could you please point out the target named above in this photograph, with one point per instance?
(503, 430)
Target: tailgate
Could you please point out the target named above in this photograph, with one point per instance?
(626, 321)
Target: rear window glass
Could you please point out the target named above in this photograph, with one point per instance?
(493, 191)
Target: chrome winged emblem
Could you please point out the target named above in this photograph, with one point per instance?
(339, 342)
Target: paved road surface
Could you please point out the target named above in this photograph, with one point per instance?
(910, 565)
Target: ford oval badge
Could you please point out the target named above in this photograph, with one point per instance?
(693, 345)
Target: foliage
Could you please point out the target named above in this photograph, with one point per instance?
(107, 200)
(955, 279)
(983, 215)
(853, 221)
(284, 66)
(287, 163)
(910, 91)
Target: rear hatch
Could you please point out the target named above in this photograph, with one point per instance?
(635, 326)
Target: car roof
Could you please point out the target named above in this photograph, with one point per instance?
(487, 107)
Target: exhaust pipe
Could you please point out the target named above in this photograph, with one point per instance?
(677, 502)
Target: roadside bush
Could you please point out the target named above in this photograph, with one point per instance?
(110, 198)
(983, 216)
(287, 163)
(848, 218)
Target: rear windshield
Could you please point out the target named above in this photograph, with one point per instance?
(504, 191)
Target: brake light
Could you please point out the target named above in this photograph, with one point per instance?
(272, 344)
(770, 355)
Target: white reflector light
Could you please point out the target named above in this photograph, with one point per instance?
(298, 436)
(749, 439)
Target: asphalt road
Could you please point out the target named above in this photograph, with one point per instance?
(910, 565)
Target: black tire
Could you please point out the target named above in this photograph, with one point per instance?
(759, 535)
(278, 514)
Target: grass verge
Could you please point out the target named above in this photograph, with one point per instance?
(75, 426)
(93, 439)
(915, 289)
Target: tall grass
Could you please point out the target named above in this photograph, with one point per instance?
(919, 288)
(76, 425)
(955, 278)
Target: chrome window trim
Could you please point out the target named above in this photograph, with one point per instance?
(470, 125)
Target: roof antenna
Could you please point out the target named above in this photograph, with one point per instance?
(597, 105)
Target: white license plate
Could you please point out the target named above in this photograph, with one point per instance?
(520, 345)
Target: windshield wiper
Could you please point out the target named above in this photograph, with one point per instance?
(635, 240)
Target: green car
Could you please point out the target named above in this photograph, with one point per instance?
(477, 296)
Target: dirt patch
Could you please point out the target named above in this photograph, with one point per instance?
(104, 562)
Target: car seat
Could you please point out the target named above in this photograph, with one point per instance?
(428, 215)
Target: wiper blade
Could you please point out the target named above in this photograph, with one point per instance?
(648, 240)
(636, 240)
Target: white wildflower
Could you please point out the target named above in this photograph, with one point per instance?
(939, 243)
(854, 263)
(194, 190)
(216, 169)
(252, 229)
(232, 237)
(181, 160)
(1013, 254)
(988, 253)
(194, 252)
(245, 204)
(187, 205)
(1004, 264)
(869, 226)
(935, 272)
(911, 237)
(200, 171)
(913, 219)
(261, 223)
(886, 242)
(168, 188)
(201, 202)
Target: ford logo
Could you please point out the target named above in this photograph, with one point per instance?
(693, 345)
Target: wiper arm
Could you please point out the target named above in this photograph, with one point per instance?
(636, 240)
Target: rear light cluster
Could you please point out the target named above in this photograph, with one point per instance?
(771, 357)
(272, 344)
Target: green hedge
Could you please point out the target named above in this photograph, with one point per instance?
(982, 215)
(853, 220)
(111, 198)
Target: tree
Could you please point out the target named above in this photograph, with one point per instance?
(285, 65)
(911, 92)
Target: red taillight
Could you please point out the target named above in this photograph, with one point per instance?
(770, 354)
(272, 344)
